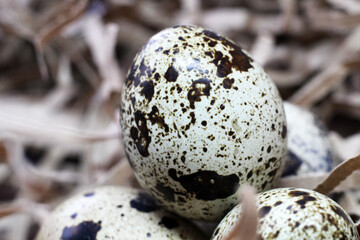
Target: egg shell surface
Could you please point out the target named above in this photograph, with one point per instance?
(309, 149)
(199, 117)
(295, 213)
(114, 213)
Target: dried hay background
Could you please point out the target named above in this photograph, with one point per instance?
(62, 65)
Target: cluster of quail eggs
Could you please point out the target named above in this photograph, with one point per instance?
(200, 118)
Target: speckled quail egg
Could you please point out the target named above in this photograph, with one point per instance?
(309, 149)
(200, 117)
(295, 213)
(114, 213)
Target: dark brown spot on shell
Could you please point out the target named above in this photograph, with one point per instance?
(154, 117)
(276, 234)
(84, 230)
(304, 200)
(264, 211)
(297, 224)
(192, 116)
(298, 193)
(134, 133)
(131, 75)
(143, 139)
(212, 43)
(240, 61)
(144, 203)
(216, 231)
(227, 83)
(200, 87)
(144, 70)
(249, 175)
(169, 222)
(209, 54)
(271, 160)
(157, 76)
(133, 101)
(273, 172)
(171, 74)
(223, 64)
(192, 121)
(166, 192)
(147, 89)
(284, 131)
(207, 185)
(268, 150)
(90, 194)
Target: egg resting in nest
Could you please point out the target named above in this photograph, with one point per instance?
(199, 118)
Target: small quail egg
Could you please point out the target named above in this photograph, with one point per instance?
(200, 117)
(114, 213)
(295, 213)
(309, 149)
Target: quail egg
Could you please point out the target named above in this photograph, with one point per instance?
(295, 213)
(200, 117)
(309, 149)
(114, 213)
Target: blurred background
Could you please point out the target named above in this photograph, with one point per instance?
(63, 63)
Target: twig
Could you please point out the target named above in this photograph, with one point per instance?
(39, 211)
(118, 175)
(332, 76)
(55, 176)
(3, 154)
(53, 28)
(57, 133)
(8, 209)
(101, 39)
(341, 172)
(312, 180)
(350, 6)
(320, 85)
(288, 8)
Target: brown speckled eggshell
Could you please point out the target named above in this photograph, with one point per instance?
(114, 213)
(295, 213)
(199, 118)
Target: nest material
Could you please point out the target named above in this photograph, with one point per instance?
(63, 63)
